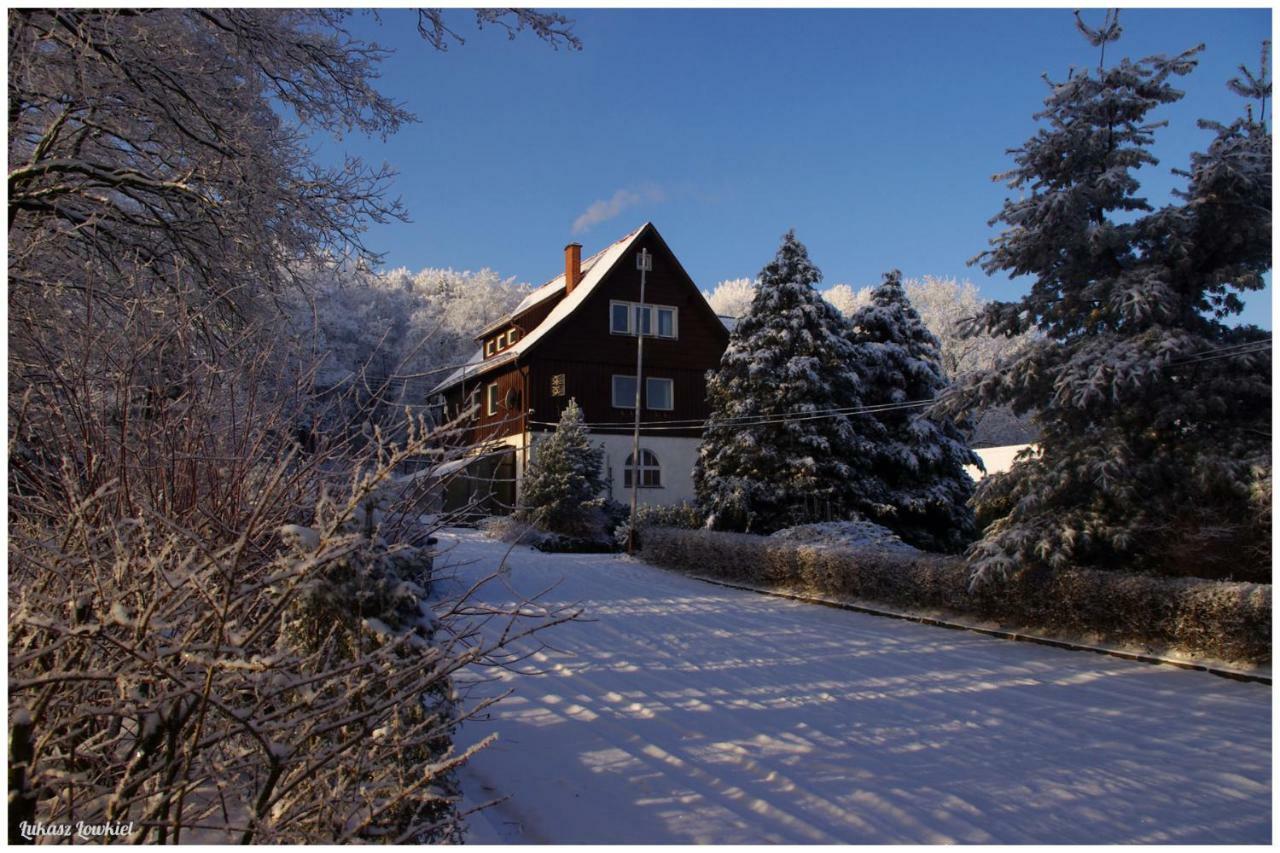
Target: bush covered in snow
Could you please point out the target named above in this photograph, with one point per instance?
(683, 514)
(592, 536)
(1228, 621)
(844, 534)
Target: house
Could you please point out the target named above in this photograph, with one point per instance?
(575, 337)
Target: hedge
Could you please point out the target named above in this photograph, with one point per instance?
(1223, 620)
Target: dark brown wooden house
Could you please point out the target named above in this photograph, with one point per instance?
(575, 337)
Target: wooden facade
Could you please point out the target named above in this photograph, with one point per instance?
(578, 357)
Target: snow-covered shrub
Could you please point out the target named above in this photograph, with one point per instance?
(509, 529)
(276, 680)
(1228, 621)
(683, 514)
(858, 533)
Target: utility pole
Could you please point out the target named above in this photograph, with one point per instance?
(644, 263)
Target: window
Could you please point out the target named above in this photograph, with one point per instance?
(624, 392)
(650, 470)
(626, 317)
(488, 349)
(619, 318)
(499, 342)
(666, 322)
(659, 394)
(491, 398)
(642, 319)
(511, 337)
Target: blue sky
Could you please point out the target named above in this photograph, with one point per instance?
(874, 133)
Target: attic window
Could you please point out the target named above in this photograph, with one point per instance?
(511, 337)
(660, 321)
(500, 342)
(488, 349)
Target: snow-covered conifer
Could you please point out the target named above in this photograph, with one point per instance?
(565, 474)
(773, 452)
(919, 457)
(1154, 414)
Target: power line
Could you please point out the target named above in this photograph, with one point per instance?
(772, 417)
(405, 380)
(1211, 354)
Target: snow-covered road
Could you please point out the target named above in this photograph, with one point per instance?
(684, 712)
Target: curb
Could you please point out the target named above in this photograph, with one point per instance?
(1232, 674)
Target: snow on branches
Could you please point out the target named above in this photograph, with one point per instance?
(920, 458)
(1154, 414)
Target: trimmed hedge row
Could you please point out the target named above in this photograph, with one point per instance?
(1228, 621)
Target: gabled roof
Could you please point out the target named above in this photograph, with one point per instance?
(549, 290)
(600, 265)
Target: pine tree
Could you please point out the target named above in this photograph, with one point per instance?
(920, 458)
(1154, 414)
(773, 453)
(565, 474)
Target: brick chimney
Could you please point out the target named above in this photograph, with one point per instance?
(572, 267)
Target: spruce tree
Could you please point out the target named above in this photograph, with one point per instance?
(1154, 414)
(774, 453)
(565, 474)
(920, 458)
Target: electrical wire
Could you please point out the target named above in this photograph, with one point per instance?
(685, 424)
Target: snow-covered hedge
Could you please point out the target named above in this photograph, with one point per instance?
(1229, 621)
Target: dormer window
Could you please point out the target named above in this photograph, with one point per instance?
(500, 343)
(488, 348)
(511, 337)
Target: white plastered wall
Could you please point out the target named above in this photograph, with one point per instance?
(995, 459)
(675, 455)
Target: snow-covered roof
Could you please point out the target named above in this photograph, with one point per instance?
(594, 269)
(549, 290)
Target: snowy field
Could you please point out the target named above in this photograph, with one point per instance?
(688, 713)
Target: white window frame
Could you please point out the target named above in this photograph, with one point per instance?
(511, 336)
(630, 470)
(651, 309)
(612, 304)
(491, 398)
(671, 394)
(657, 311)
(613, 391)
(488, 349)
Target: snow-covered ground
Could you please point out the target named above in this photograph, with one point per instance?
(677, 711)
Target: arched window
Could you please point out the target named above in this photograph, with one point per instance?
(650, 470)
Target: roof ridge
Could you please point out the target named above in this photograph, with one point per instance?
(562, 309)
(522, 307)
